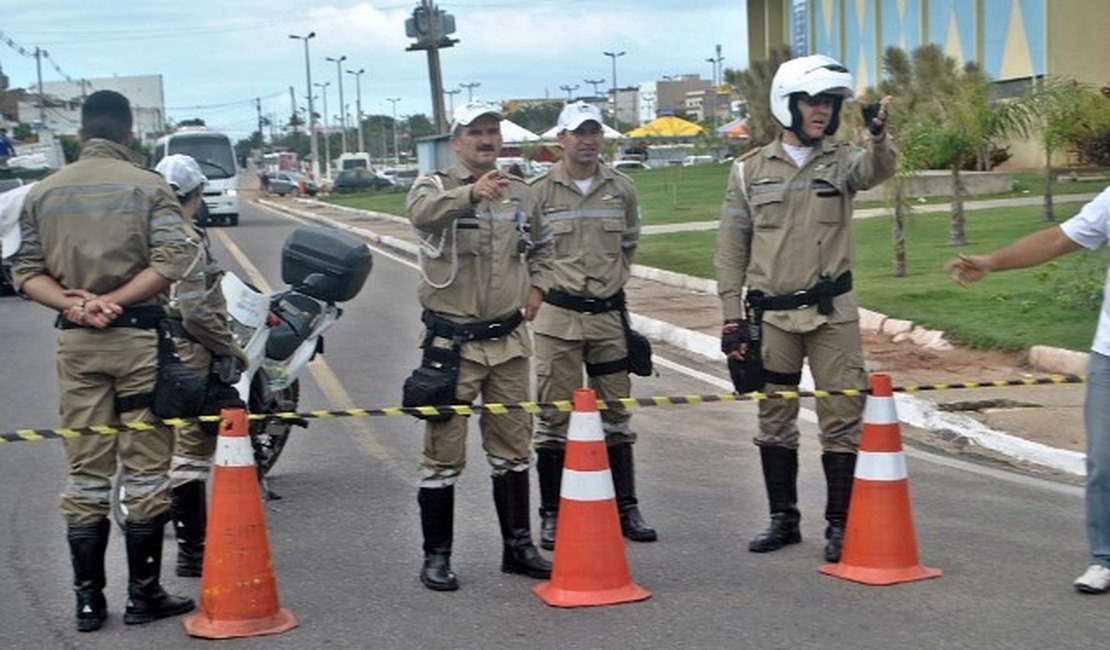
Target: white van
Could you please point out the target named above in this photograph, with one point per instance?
(215, 154)
(689, 161)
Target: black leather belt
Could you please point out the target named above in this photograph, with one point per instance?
(822, 291)
(145, 317)
(474, 331)
(583, 304)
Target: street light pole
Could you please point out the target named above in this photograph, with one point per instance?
(396, 151)
(342, 107)
(569, 90)
(716, 61)
(327, 136)
(358, 104)
(614, 56)
(470, 89)
(595, 83)
(451, 95)
(313, 149)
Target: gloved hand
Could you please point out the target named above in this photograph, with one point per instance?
(733, 336)
(875, 115)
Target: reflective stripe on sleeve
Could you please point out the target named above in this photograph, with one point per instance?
(881, 466)
(587, 486)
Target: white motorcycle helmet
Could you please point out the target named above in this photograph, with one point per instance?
(810, 75)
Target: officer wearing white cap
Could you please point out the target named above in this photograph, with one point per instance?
(206, 346)
(595, 217)
(483, 262)
(786, 236)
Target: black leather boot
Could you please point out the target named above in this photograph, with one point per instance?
(146, 599)
(87, 544)
(840, 471)
(780, 475)
(437, 520)
(633, 525)
(549, 468)
(519, 554)
(189, 509)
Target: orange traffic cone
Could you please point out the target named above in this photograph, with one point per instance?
(238, 594)
(589, 566)
(880, 547)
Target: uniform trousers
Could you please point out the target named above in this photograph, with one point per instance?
(835, 355)
(193, 449)
(94, 368)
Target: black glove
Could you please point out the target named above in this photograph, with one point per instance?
(733, 335)
(871, 118)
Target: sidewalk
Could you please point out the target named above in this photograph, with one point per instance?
(1038, 428)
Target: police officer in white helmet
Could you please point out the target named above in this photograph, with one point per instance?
(784, 259)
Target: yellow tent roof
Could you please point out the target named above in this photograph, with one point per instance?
(667, 126)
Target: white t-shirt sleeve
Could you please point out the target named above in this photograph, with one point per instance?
(1091, 227)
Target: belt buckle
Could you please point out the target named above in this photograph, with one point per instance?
(591, 305)
(496, 329)
(801, 294)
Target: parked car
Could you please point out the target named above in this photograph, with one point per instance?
(360, 180)
(630, 164)
(402, 178)
(690, 161)
(284, 182)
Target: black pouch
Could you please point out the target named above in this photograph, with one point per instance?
(434, 382)
(639, 350)
(179, 392)
(747, 373)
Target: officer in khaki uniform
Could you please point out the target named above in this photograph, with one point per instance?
(786, 234)
(198, 303)
(103, 238)
(595, 220)
(482, 261)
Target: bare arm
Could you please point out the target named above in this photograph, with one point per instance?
(1031, 250)
(145, 284)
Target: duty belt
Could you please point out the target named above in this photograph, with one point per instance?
(820, 294)
(473, 331)
(583, 304)
(144, 317)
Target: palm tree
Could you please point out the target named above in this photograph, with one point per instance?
(754, 84)
(1065, 109)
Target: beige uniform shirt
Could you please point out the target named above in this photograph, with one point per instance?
(595, 237)
(478, 260)
(198, 301)
(96, 223)
(782, 226)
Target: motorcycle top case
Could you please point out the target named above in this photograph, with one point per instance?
(324, 263)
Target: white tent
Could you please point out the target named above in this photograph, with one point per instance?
(610, 133)
(512, 133)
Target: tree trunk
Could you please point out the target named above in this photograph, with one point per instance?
(898, 233)
(956, 235)
(1049, 212)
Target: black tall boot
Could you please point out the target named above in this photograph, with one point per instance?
(437, 520)
(87, 544)
(146, 599)
(840, 471)
(780, 474)
(633, 525)
(519, 554)
(549, 468)
(189, 509)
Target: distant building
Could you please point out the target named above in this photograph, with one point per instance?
(60, 103)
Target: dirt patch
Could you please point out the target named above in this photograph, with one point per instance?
(905, 361)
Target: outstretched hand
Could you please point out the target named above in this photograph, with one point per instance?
(491, 187)
(966, 269)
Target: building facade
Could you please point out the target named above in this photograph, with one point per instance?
(58, 104)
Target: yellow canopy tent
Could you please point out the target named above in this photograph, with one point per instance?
(667, 126)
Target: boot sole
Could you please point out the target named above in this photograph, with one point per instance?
(774, 547)
(130, 618)
(439, 586)
(90, 624)
(524, 571)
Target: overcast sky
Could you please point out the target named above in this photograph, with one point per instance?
(216, 56)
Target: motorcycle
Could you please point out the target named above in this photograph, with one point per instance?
(282, 332)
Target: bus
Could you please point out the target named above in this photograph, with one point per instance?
(215, 153)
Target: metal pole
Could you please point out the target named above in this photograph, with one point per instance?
(470, 90)
(342, 107)
(42, 95)
(595, 83)
(313, 148)
(396, 151)
(616, 112)
(451, 95)
(358, 105)
(327, 136)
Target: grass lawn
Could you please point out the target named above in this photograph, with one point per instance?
(1011, 310)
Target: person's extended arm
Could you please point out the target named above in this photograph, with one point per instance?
(1031, 250)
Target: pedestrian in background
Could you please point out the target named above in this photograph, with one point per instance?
(1090, 229)
(786, 236)
(483, 255)
(206, 346)
(7, 148)
(595, 219)
(102, 240)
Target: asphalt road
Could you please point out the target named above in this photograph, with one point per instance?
(345, 538)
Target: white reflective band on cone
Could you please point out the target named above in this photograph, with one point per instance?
(881, 466)
(585, 426)
(879, 410)
(587, 486)
(234, 451)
